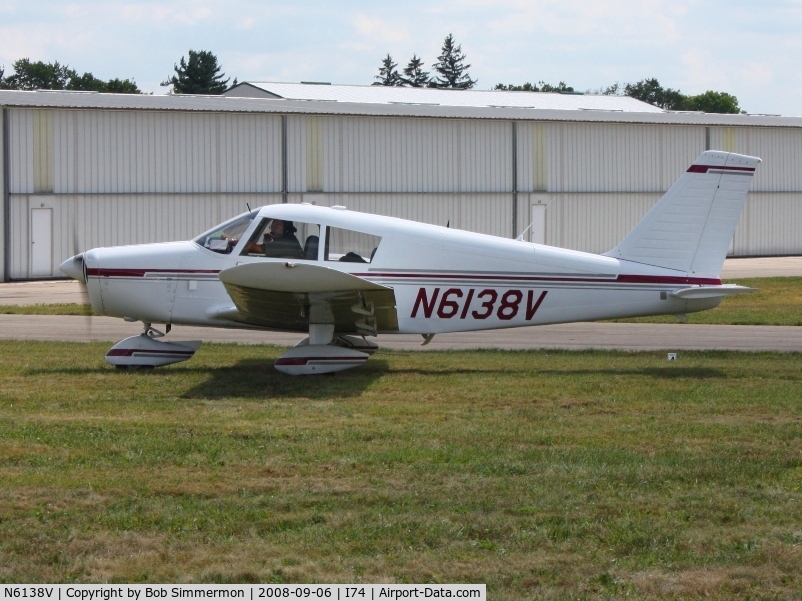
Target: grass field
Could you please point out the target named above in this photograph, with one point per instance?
(553, 475)
(778, 302)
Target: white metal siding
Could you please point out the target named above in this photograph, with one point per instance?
(605, 157)
(296, 154)
(2, 191)
(398, 155)
(593, 222)
(18, 268)
(780, 149)
(484, 213)
(123, 152)
(21, 150)
(99, 220)
(770, 225)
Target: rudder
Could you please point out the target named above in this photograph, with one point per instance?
(692, 225)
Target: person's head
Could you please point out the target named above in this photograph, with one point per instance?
(281, 229)
(277, 228)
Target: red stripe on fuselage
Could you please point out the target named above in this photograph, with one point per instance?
(620, 279)
(140, 273)
(126, 352)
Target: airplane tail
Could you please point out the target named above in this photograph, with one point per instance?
(692, 225)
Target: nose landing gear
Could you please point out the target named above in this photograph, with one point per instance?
(146, 351)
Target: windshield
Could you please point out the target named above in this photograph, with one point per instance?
(223, 238)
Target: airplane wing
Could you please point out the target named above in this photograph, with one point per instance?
(290, 296)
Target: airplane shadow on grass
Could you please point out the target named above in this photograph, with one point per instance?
(257, 379)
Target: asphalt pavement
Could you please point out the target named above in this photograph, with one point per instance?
(576, 336)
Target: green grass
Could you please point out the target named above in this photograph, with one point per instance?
(778, 302)
(55, 309)
(553, 475)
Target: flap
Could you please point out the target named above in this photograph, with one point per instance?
(293, 277)
(287, 296)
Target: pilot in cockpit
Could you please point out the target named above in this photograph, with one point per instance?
(280, 241)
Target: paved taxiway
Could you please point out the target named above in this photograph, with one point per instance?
(624, 336)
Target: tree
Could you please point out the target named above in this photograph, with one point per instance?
(54, 76)
(650, 90)
(713, 102)
(560, 87)
(526, 87)
(39, 75)
(90, 83)
(388, 74)
(414, 75)
(452, 72)
(122, 86)
(199, 75)
(530, 87)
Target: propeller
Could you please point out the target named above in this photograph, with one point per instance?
(75, 267)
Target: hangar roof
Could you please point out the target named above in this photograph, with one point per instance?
(94, 100)
(435, 97)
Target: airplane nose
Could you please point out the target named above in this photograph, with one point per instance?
(74, 267)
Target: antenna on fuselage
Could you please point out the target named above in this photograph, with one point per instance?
(249, 206)
(520, 238)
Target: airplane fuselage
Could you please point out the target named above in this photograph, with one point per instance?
(444, 280)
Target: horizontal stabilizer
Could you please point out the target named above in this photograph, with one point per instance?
(293, 277)
(691, 227)
(711, 291)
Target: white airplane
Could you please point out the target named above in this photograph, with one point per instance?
(267, 269)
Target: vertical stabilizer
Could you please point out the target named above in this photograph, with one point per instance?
(691, 227)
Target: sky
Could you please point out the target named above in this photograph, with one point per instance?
(751, 49)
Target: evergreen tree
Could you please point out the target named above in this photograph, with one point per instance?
(198, 75)
(414, 75)
(452, 72)
(388, 74)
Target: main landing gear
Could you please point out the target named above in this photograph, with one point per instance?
(146, 351)
(323, 353)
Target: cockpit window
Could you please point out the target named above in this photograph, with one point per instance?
(284, 239)
(224, 237)
(348, 246)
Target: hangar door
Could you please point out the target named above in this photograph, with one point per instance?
(41, 242)
(537, 228)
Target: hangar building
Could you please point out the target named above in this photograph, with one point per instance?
(82, 170)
